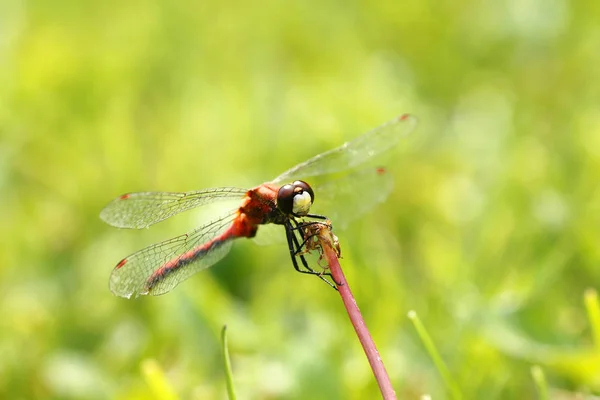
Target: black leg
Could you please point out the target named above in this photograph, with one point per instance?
(300, 227)
(315, 216)
(295, 248)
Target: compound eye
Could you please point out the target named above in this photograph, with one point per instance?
(285, 198)
(305, 187)
(295, 198)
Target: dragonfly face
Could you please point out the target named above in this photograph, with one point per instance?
(295, 198)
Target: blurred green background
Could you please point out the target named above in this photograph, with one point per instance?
(491, 234)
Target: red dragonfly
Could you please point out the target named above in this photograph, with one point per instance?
(285, 200)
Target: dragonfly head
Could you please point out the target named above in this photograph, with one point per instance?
(295, 198)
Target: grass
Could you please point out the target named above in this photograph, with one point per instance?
(227, 364)
(452, 387)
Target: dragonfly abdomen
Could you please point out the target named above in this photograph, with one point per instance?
(185, 259)
(240, 227)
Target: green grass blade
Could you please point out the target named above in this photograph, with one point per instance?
(592, 305)
(435, 356)
(227, 364)
(540, 382)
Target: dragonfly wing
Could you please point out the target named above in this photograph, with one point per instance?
(269, 234)
(348, 198)
(159, 268)
(341, 200)
(140, 210)
(353, 153)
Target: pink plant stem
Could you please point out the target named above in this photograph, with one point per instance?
(381, 375)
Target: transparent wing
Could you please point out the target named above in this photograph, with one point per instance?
(351, 196)
(341, 200)
(159, 268)
(140, 210)
(353, 153)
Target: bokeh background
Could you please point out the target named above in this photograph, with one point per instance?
(491, 234)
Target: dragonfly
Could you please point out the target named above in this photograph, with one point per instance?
(285, 200)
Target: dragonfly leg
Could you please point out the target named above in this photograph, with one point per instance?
(316, 216)
(307, 237)
(302, 248)
(295, 253)
(307, 246)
